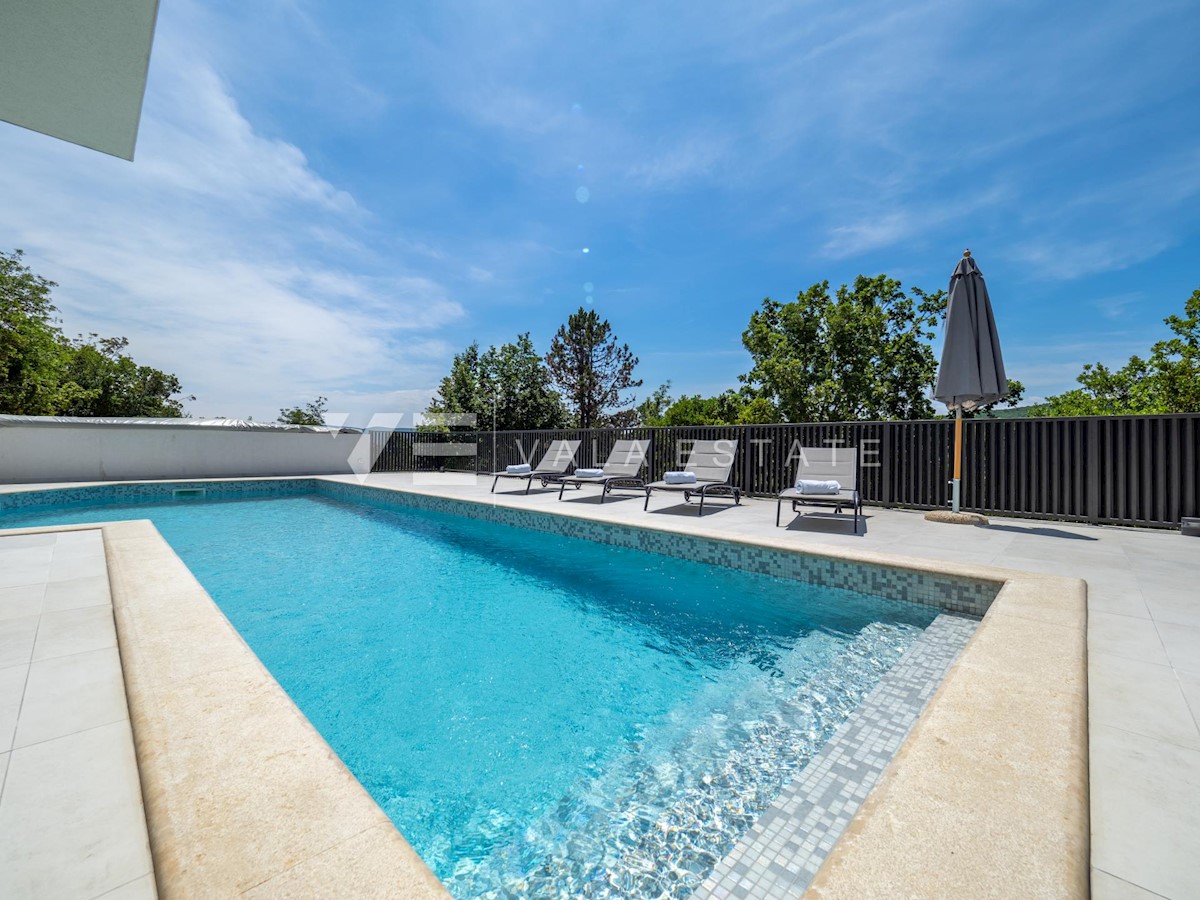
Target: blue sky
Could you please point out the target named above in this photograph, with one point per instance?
(333, 198)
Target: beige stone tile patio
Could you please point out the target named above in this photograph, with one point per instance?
(1126, 636)
(71, 693)
(1110, 887)
(1183, 646)
(21, 602)
(16, 639)
(74, 631)
(1145, 813)
(1140, 697)
(48, 820)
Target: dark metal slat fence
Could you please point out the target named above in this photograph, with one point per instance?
(1127, 470)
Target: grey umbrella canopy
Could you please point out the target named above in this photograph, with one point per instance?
(972, 370)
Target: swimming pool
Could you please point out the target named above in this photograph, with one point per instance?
(540, 715)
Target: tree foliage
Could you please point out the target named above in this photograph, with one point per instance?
(311, 413)
(728, 408)
(42, 373)
(1168, 381)
(508, 385)
(593, 370)
(861, 353)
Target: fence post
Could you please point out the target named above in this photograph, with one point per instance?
(1092, 469)
(888, 493)
(747, 445)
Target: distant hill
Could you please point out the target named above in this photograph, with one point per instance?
(1019, 412)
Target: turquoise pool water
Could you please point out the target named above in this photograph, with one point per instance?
(539, 715)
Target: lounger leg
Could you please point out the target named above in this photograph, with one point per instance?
(528, 483)
(700, 510)
(561, 488)
(778, 510)
(495, 481)
(603, 492)
(646, 505)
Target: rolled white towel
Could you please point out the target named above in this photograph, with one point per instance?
(680, 477)
(522, 469)
(589, 473)
(804, 486)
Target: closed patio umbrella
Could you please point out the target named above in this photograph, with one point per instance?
(972, 370)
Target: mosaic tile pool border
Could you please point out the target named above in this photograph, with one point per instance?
(781, 854)
(950, 593)
(96, 494)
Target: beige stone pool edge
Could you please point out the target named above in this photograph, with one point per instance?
(987, 796)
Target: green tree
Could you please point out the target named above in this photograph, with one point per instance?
(728, 408)
(112, 384)
(311, 413)
(862, 353)
(592, 369)
(651, 410)
(517, 389)
(43, 373)
(1168, 381)
(460, 392)
(508, 385)
(32, 357)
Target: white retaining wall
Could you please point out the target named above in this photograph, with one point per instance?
(120, 453)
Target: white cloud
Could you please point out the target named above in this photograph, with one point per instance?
(212, 253)
(850, 240)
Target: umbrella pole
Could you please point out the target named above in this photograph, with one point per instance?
(955, 485)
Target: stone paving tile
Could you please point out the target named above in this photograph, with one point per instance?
(1145, 813)
(71, 816)
(1183, 646)
(1190, 684)
(77, 593)
(1110, 887)
(142, 888)
(1140, 697)
(75, 631)
(22, 601)
(71, 693)
(72, 823)
(1125, 636)
(16, 640)
(12, 688)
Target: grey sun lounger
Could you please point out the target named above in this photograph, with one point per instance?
(558, 457)
(711, 461)
(838, 464)
(623, 469)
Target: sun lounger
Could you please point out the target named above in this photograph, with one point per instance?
(623, 469)
(557, 459)
(710, 462)
(818, 464)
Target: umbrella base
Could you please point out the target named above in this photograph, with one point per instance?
(955, 518)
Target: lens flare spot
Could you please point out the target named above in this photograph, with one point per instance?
(588, 287)
(582, 194)
(589, 299)
(587, 249)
